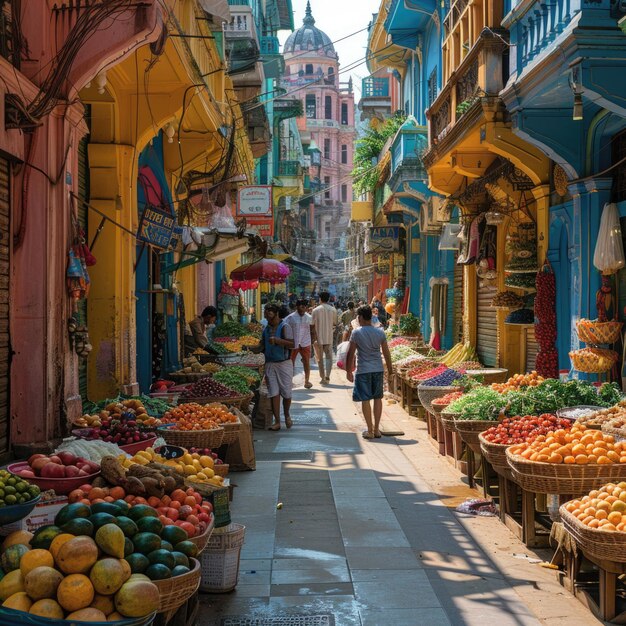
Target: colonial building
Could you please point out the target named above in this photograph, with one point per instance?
(328, 134)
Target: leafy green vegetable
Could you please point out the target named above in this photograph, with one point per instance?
(482, 403)
(154, 406)
(232, 380)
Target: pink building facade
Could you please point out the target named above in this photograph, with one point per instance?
(328, 126)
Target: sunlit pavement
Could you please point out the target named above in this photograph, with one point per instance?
(344, 531)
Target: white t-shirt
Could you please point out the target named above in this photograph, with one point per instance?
(301, 326)
(325, 319)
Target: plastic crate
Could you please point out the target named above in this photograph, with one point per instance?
(220, 560)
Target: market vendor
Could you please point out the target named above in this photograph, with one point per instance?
(199, 330)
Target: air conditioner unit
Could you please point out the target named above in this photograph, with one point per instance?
(428, 223)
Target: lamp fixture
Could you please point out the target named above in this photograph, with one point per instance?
(101, 81)
(578, 107)
(169, 131)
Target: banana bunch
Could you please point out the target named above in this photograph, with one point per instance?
(459, 353)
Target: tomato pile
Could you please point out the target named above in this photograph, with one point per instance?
(419, 374)
(449, 397)
(517, 429)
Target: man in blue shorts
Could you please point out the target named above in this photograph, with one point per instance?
(368, 342)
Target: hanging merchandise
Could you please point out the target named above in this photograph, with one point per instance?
(221, 213)
(438, 310)
(90, 259)
(547, 364)
(467, 257)
(609, 254)
(486, 261)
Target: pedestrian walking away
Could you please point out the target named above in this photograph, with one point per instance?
(303, 335)
(325, 319)
(276, 342)
(367, 343)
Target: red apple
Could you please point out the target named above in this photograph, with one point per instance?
(71, 471)
(82, 472)
(40, 463)
(53, 470)
(55, 459)
(34, 457)
(26, 473)
(67, 458)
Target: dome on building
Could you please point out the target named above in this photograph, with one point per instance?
(308, 37)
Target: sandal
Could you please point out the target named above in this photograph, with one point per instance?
(366, 434)
(274, 427)
(377, 434)
(288, 422)
(308, 385)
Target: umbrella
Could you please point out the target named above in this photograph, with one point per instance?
(263, 270)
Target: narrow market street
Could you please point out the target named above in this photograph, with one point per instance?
(365, 533)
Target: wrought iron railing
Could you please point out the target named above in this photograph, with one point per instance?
(289, 168)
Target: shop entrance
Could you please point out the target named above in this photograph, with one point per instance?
(486, 325)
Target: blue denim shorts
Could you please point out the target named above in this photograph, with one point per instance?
(368, 387)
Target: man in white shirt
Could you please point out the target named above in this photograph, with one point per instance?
(303, 335)
(325, 319)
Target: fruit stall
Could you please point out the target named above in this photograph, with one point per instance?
(129, 517)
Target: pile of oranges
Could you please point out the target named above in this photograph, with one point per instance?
(193, 416)
(519, 380)
(603, 508)
(579, 446)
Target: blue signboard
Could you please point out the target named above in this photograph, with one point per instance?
(156, 227)
(384, 239)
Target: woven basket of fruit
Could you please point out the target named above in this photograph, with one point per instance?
(192, 438)
(175, 591)
(202, 540)
(593, 332)
(427, 394)
(593, 360)
(469, 431)
(489, 375)
(448, 420)
(495, 453)
(232, 429)
(561, 478)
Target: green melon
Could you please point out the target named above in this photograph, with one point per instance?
(70, 512)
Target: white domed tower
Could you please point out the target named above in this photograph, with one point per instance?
(327, 128)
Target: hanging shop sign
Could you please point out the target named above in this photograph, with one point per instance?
(262, 226)
(384, 239)
(156, 227)
(255, 201)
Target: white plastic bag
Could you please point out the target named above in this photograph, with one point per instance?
(342, 353)
(609, 254)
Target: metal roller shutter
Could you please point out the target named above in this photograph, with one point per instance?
(5, 216)
(486, 326)
(532, 349)
(458, 302)
(83, 193)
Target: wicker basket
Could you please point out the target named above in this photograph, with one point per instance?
(495, 453)
(448, 420)
(618, 433)
(470, 429)
(490, 374)
(236, 401)
(607, 545)
(193, 438)
(593, 360)
(560, 478)
(220, 559)
(174, 592)
(202, 540)
(221, 469)
(599, 332)
(427, 394)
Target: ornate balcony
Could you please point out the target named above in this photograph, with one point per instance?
(273, 61)
(375, 98)
(407, 148)
(289, 168)
(469, 94)
(286, 108)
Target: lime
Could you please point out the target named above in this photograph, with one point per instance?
(11, 481)
(21, 486)
(9, 490)
(10, 499)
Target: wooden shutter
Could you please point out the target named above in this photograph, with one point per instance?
(458, 302)
(5, 344)
(532, 349)
(486, 326)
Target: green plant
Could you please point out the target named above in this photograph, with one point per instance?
(464, 106)
(368, 147)
(410, 325)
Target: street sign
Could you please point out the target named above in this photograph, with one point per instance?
(263, 226)
(255, 201)
(156, 227)
(384, 239)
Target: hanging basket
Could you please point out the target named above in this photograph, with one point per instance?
(598, 332)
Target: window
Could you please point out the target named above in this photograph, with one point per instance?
(344, 113)
(331, 75)
(328, 107)
(432, 86)
(327, 187)
(310, 107)
(344, 193)
(344, 154)
(327, 148)
(308, 68)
